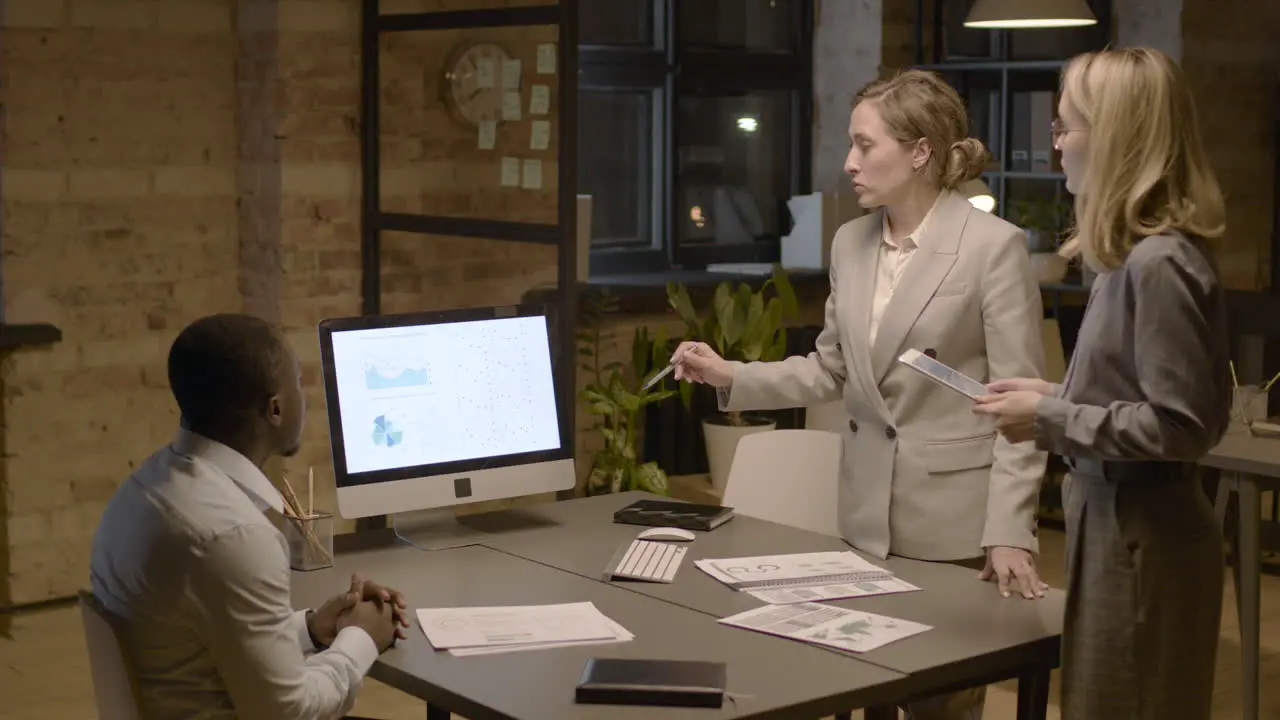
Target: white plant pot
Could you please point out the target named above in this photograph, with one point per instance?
(722, 442)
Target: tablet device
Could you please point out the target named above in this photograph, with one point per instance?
(943, 374)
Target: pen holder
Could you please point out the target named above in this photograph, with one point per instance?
(1248, 405)
(310, 541)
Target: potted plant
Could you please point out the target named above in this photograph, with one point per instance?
(745, 325)
(1043, 221)
(613, 395)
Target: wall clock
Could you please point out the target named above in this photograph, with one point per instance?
(472, 82)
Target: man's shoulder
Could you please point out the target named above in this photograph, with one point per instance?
(181, 498)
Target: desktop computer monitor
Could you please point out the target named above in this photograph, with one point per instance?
(434, 409)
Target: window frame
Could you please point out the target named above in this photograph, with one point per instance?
(670, 71)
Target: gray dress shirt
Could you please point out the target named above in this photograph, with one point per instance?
(199, 577)
(1150, 376)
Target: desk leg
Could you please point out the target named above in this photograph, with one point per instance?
(435, 712)
(1249, 567)
(880, 713)
(1033, 694)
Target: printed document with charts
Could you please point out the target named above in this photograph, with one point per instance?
(486, 630)
(826, 625)
(804, 577)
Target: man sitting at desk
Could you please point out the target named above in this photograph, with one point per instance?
(186, 557)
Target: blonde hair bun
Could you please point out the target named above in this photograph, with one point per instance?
(966, 160)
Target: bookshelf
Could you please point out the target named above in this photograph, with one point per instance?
(1009, 82)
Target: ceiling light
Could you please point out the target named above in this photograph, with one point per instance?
(1023, 14)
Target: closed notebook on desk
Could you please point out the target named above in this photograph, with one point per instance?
(664, 513)
(677, 683)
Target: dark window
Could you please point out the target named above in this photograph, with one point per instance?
(738, 25)
(694, 128)
(616, 151)
(735, 167)
(616, 22)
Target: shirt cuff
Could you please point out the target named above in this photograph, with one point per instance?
(1050, 423)
(304, 635)
(355, 643)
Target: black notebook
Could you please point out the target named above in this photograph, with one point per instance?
(664, 513)
(672, 683)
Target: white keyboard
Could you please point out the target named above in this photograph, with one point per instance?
(648, 560)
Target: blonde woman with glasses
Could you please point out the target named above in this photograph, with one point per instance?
(1146, 395)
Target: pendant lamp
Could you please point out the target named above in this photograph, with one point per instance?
(1023, 14)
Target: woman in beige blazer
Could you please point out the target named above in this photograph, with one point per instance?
(921, 477)
(1146, 395)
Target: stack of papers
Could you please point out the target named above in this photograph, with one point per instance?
(487, 630)
(804, 577)
(818, 593)
(826, 625)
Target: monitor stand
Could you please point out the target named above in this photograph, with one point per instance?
(441, 529)
(436, 529)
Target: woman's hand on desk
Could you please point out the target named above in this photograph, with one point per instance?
(697, 362)
(1015, 570)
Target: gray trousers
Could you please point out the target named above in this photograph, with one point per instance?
(1144, 597)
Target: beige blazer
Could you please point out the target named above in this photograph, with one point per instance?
(922, 476)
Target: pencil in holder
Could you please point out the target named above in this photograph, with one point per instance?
(310, 540)
(1248, 405)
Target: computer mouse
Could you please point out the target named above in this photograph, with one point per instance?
(667, 533)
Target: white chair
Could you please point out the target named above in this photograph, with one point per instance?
(789, 477)
(113, 685)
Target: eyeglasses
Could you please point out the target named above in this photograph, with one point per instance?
(1057, 129)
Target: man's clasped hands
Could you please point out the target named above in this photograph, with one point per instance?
(379, 611)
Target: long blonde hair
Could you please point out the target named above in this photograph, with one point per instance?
(1147, 172)
(917, 104)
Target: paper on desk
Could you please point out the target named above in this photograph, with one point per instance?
(791, 595)
(826, 625)
(621, 633)
(799, 569)
(448, 628)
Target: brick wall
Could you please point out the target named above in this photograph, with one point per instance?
(119, 197)
(1228, 52)
(165, 160)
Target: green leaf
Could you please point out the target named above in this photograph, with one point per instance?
(726, 316)
(678, 298)
(774, 341)
(628, 402)
(658, 349)
(640, 351)
(786, 293)
(686, 395)
(650, 398)
(651, 478)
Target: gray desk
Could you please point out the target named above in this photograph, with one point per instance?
(978, 637)
(782, 678)
(1248, 464)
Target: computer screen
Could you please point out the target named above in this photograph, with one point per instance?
(433, 409)
(442, 393)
